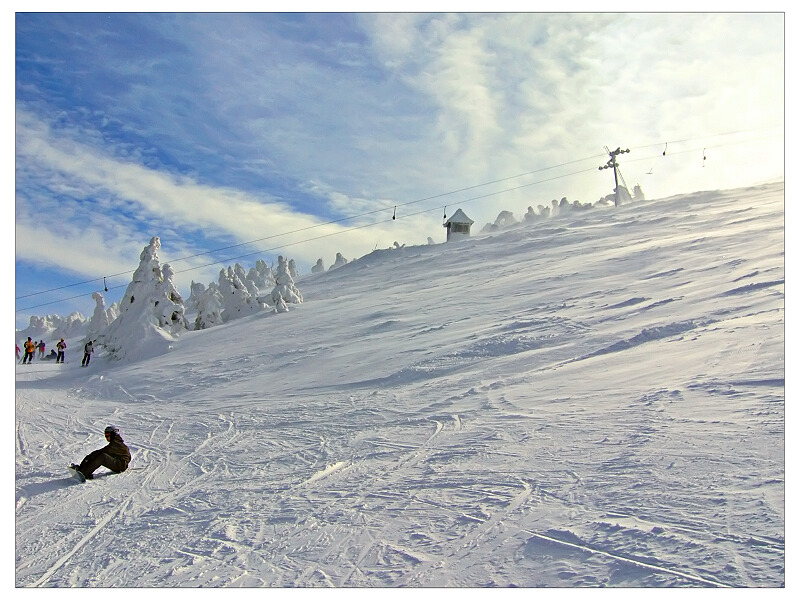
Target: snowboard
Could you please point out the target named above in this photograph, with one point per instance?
(76, 474)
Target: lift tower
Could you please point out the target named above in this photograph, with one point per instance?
(612, 163)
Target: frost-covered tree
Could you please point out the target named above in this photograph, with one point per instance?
(209, 307)
(69, 326)
(293, 270)
(339, 262)
(101, 318)
(151, 311)
(285, 291)
(39, 327)
(172, 316)
(195, 291)
(262, 276)
(638, 194)
(239, 297)
(503, 220)
(318, 267)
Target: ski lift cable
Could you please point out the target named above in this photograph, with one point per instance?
(341, 232)
(344, 219)
(388, 220)
(678, 141)
(302, 229)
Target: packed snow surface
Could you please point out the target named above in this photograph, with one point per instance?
(592, 400)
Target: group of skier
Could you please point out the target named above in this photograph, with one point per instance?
(115, 456)
(30, 346)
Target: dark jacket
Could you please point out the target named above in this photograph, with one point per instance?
(116, 448)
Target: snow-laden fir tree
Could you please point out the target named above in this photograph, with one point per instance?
(151, 311)
(69, 326)
(195, 291)
(208, 305)
(239, 295)
(262, 276)
(340, 261)
(172, 316)
(101, 318)
(318, 267)
(39, 327)
(285, 291)
(53, 327)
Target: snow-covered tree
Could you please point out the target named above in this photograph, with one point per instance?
(151, 311)
(209, 307)
(172, 316)
(503, 220)
(262, 276)
(39, 327)
(318, 267)
(101, 318)
(195, 291)
(239, 297)
(285, 291)
(340, 261)
(69, 326)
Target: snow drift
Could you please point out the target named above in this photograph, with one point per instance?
(594, 400)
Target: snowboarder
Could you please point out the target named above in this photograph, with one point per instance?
(88, 349)
(30, 348)
(61, 346)
(115, 456)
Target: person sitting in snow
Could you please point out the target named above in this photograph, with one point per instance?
(88, 349)
(115, 456)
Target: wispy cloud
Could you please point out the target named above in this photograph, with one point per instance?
(214, 129)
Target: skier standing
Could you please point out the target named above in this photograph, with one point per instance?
(60, 346)
(41, 348)
(88, 349)
(115, 456)
(30, 348)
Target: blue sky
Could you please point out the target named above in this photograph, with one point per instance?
(302, 132)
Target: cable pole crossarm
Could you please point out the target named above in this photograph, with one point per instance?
(613, 164)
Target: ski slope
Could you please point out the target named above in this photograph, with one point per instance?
(592, 400)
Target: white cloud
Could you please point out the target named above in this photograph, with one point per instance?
(101, 240)
(431, 103)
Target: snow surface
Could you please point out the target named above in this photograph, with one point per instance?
(592, 400)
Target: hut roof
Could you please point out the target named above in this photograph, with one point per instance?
(459, 217)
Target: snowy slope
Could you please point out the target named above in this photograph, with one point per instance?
(592, 400)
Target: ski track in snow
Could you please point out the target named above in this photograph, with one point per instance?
(601, 414)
